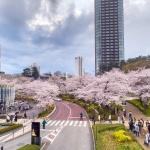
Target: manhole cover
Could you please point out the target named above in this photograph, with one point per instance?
(20, 144)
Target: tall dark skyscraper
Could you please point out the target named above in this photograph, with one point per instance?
(109, 32)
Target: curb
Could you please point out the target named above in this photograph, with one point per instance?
(43, 146)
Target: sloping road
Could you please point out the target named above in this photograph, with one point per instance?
(63, 131)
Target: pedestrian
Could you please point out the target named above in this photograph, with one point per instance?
(93, 119)
(118, 118)
(123, 119)
(137, 130)
(148, 127)
(25, 115)
(130, 115)
(99, 118)
(11, 118)
(15, 118)
(109, 119)
(146, 140)
(44, 123)
(7, 118)
(81, 116)
(134, 119)
(140, 126)
(131, 125)
(147, 122)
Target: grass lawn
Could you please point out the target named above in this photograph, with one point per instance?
(140, 107)
(31, 147)
(105, 139)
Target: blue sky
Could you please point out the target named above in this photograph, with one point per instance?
(51, 33)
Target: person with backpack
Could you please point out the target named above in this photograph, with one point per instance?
(81, 116)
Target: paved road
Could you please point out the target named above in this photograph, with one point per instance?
(63, 131)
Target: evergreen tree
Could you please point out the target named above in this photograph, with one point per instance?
(35, 73)
(27, 72)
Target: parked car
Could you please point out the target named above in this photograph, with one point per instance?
(58, 99)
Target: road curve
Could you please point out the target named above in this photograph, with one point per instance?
(68, 111)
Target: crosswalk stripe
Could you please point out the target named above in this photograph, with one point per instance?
(62, 122)
(53, 123)
(49, 122)
(57, 123)
(75, 123)
(66, 123)
(71, 123)
(80, 123)
(85, 122)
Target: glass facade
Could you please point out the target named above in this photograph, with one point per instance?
(109, 32)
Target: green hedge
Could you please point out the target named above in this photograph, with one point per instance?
(47, 111)
(6, 124)
(14, 126)
(31, 147)
(104, 140)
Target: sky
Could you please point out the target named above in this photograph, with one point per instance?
(51, 33)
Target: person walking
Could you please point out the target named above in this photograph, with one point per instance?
(15, 118)
(25, 114)
(148, 127)
(118, 118)
(123, 119)
(99, 118)
(93, 119)
(44, 123)
(109, 119)
(81, 116)
(7, 118)
(137, 130)
(130, 115)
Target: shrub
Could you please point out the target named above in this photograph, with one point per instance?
(14, 126)
(120, 136)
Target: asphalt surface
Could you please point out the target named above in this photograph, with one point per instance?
(64, 131)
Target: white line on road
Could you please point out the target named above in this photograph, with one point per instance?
(85, 122)
(71, 123)
(62, 122)
(49, 122)
(80, 123)
(75, 123)
(53, 123)
(45, 130)
(57, 123)
(66, 123)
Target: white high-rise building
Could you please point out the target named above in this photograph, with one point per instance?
(79, 71)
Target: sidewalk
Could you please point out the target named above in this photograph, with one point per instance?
(13, 134)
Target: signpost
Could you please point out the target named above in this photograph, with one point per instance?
(35, 133)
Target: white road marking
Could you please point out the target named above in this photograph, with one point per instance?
(49, 122)
(80, 123)
(62, 122)
(75, 123)
(66, 123)
(57, 123)
(71, 123)
(85, 122)
(53, 122)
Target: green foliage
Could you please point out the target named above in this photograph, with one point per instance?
(6, 124)
(31, 147)
(35, 73)
(9, 128)
(136, 63)
(47, 111)
(104, 138)
(27, 72)
(138, 104)
(121, 137)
